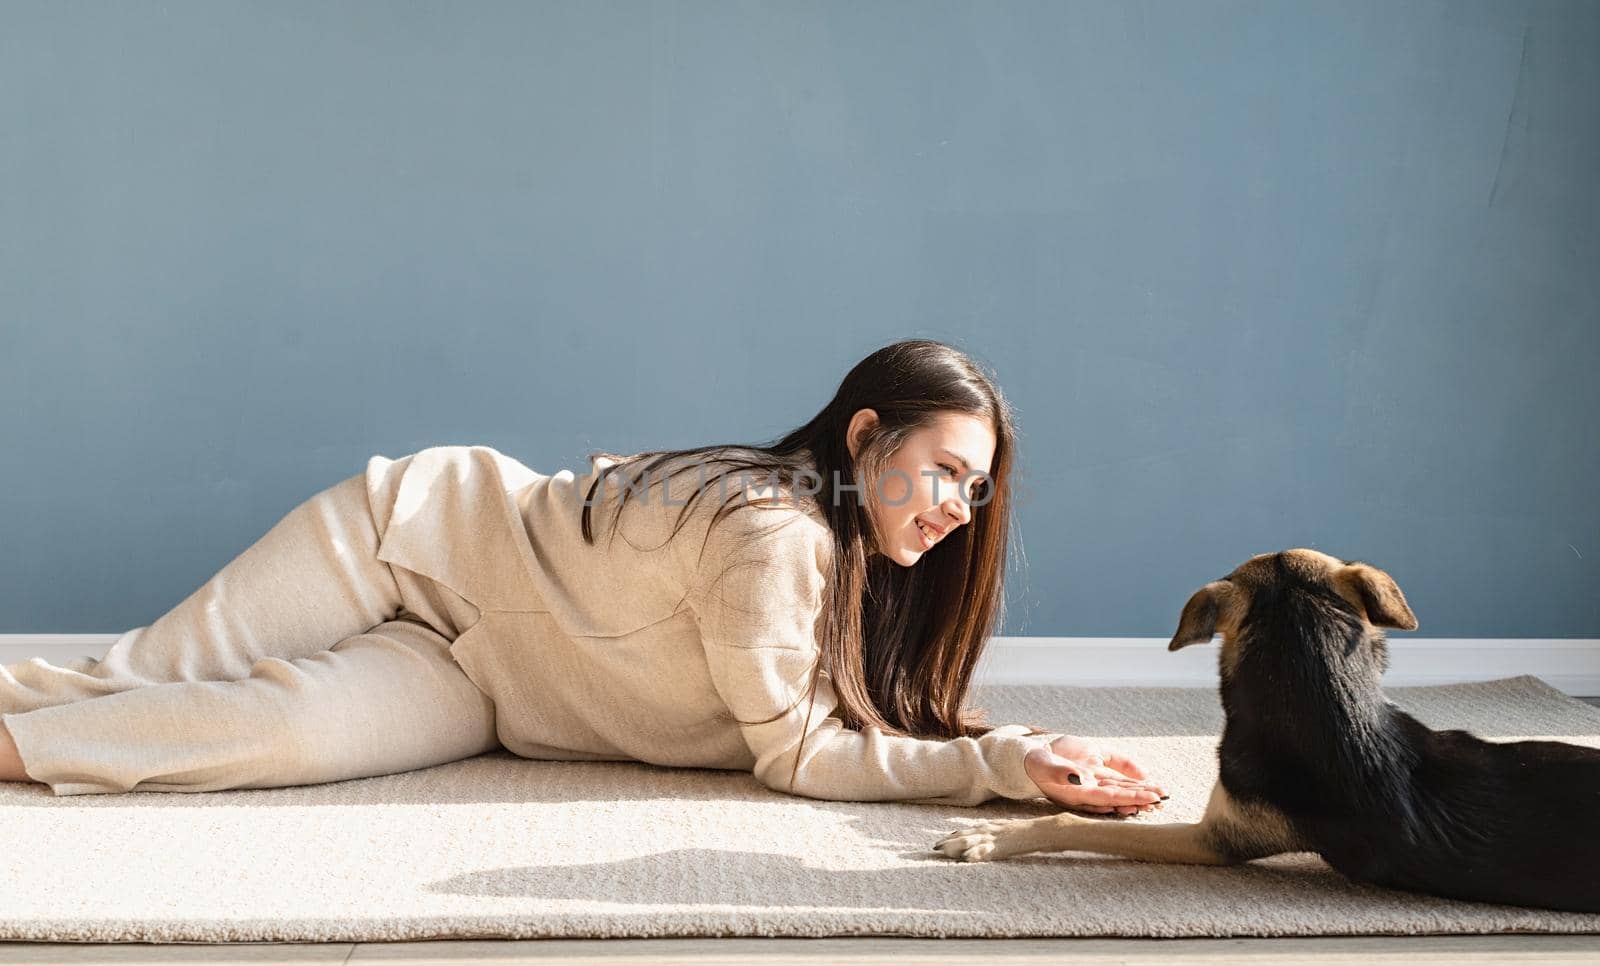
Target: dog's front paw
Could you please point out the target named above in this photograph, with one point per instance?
(981, 842)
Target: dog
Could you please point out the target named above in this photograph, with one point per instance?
(1314, 758)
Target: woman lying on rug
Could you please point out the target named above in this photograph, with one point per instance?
(454, 601)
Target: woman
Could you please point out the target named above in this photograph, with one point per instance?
(814, 627)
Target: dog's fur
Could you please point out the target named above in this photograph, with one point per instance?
(1313, 758)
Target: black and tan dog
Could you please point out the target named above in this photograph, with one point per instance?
(1313, 758)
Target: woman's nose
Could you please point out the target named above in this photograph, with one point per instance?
(957, 508)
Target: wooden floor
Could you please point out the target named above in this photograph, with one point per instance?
(1354, 950)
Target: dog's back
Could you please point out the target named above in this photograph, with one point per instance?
(1512, 822)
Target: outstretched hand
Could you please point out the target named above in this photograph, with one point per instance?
(1078, 774)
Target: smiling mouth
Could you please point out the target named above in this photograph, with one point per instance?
(930, 536)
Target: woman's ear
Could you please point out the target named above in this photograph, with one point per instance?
(860, 424)
(1198, 623)
(1380, 596)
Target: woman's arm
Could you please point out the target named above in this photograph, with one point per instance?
(757, 599)
(842, 764)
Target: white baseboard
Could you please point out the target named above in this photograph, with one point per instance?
(1569, 664)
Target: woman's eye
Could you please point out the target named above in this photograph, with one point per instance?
(972, 491)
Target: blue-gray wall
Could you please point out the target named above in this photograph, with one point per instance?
(1256, 275)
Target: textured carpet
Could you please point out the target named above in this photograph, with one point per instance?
(501, 847)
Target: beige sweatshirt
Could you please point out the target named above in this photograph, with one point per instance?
(640, 648)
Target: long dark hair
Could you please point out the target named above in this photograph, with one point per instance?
(899, 644)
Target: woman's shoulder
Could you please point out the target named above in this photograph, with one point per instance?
(761, 553)
(712, 501)
(775, 503)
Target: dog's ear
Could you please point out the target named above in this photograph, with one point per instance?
(1198, 623)
(1380, 596)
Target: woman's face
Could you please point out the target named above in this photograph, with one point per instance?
(925, 481)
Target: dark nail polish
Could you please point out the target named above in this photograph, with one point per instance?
(1165, 797)
(1073, 779)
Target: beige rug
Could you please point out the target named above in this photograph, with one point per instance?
(500, 847)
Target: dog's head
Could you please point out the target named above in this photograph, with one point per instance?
(1289, 590)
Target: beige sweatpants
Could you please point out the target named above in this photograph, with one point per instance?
(304, 660)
